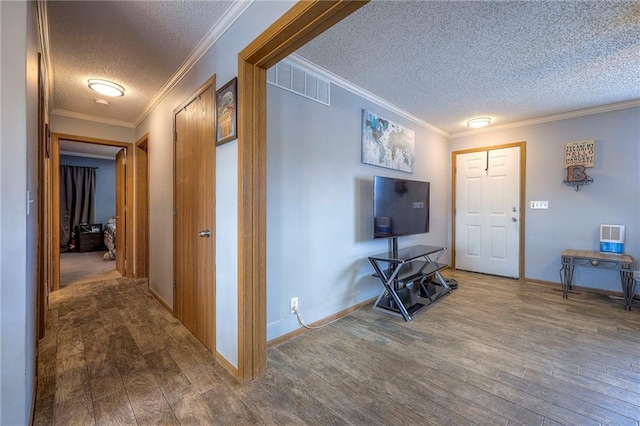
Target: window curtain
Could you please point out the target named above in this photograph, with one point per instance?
(77, 205)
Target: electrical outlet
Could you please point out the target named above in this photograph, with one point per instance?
(539, 205)
(293, 305)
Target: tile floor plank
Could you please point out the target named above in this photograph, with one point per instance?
(149, 405)
(114, 409)
(558, 397)
(495, 352)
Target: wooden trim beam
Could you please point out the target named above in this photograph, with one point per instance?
(141, 205)
(303, 22)
(55, 223)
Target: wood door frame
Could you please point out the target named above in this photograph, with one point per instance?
(55, 232)
(141, 207)
(299, 25)
(523, 169)
(121, 211)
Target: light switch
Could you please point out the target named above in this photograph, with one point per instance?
(539, 204)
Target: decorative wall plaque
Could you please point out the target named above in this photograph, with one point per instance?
(578, 156)
(580, 153)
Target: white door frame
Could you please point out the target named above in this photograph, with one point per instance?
(523, 167)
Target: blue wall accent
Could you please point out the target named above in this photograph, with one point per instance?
(105, 183)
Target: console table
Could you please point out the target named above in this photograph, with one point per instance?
(406, 275)
(623, 263)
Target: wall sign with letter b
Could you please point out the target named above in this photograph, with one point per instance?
(576, 174)
(577, 157)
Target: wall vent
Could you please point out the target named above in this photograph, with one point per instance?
(300, 81)
(612, 239)
(612, 233)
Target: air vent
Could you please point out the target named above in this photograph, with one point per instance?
(298, 80)
(612, 238)
(612, 233)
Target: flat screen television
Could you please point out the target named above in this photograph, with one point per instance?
(400, 207)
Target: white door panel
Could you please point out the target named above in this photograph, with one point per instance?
(487, 203)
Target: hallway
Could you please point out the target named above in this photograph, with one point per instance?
(121, 358)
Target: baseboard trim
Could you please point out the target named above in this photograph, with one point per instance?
(558, 287)
(278, 340)
(161, 300)
(227, 366)
(32, 412)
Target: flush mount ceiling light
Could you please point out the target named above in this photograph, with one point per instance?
(476, 123)
(107, 88)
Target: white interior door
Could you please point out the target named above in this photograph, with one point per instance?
(488, 212)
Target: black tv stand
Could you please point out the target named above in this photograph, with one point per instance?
(394, 246)
(411, 279)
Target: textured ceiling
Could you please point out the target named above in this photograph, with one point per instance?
(88, 149)
(446, 62)
(137, 44)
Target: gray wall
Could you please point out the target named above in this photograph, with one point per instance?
(222, 60)
(18, 227)
(320, 202)
(105, 198)
(573, 219)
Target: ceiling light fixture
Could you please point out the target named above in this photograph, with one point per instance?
(107, 88)
(476, 123)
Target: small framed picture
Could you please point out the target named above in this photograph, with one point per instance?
(226, 112)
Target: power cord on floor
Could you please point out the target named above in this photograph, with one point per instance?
(309, 327)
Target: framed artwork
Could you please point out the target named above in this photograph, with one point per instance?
(226, 112)
(386, 144)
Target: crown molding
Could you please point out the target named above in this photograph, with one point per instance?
(230, 16)
(546, 119)
(347, 85)
(87, 117)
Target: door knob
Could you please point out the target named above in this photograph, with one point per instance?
(513, 219)
(205, 233)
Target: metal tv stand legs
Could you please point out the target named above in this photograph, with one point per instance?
(411, 279)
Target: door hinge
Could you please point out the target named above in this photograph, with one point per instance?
(175, 211)
(175, 285)
(175, 137)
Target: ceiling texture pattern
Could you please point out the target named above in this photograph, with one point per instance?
(137, 44)
(447, 62)
(68, 147)
(443, 62)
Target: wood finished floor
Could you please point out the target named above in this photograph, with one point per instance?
(495, 352)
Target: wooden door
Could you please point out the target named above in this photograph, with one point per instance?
(121, 213)
(488, 211)
(194, 239)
